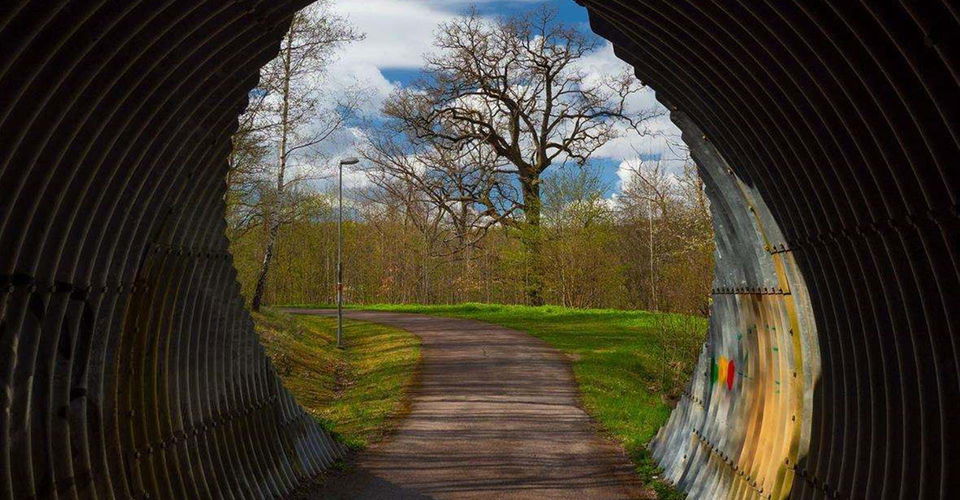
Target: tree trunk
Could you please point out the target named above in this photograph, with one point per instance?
(276, 214)
(653, 279)
(265, 266)
(532, 239)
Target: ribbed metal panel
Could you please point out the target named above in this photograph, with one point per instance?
(827, 131)
(839, 120)
(128, 366)
(746, 417)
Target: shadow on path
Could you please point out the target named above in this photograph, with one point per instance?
(496, 415)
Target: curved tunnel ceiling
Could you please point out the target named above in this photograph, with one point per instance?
(843, 116)
(827, 132)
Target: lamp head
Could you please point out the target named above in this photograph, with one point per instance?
(350, 160)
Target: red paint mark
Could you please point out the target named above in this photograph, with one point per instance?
(731, 372)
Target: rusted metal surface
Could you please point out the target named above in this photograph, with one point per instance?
(128, 367)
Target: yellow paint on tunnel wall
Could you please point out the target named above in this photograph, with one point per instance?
(748, 406)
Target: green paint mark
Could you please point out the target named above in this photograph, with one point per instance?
(713, 371)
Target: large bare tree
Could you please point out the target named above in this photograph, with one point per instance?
(453, 196)
(290, 115)
(500, 103)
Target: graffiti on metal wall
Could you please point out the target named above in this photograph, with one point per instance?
(744, 423)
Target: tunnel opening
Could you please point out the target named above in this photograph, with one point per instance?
(828, 128)
(404, 246)
(747, 405)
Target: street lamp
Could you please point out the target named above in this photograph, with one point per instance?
(346, 161)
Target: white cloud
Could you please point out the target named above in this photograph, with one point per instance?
(399, 32)
(661, 132)
(627, 171)
(345, 74)
(353, 177)
(398, 35)
(661, 138)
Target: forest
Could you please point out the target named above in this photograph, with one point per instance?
(477, 181)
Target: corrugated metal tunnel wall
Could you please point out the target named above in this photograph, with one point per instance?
(128, 365)
(827, 131)
(743, 425)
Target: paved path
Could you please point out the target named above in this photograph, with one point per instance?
(495, 416)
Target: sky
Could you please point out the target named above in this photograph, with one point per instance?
(400, 32)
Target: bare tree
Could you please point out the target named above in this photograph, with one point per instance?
(247, 165)
(296, 116)
(650, 189)
(666, 222)
(453, 196)
(511, 96)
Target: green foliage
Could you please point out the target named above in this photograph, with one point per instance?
(631, 366)
(353, 392)
(591, 255)
(649, 473)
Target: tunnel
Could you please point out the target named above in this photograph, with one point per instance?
(826, 132)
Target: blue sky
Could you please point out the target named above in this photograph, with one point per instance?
(569, 12)
(399, 33)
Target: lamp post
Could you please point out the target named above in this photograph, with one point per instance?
(346, 161)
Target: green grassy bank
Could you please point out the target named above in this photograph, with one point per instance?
(631, 366)
(354, 392)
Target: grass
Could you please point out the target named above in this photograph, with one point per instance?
(631, 366)
(354, 392)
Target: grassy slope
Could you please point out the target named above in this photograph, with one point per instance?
(631, 365)
(353, 392)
